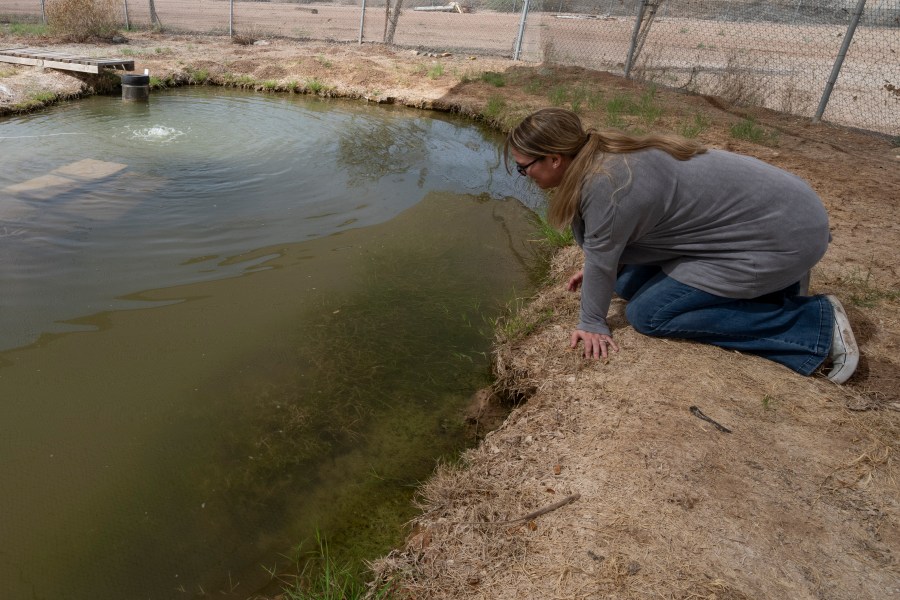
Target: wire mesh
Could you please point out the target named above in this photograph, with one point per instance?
(775, 54)
(20, 11)
(778, 54)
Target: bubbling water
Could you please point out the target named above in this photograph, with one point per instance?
(157, 133)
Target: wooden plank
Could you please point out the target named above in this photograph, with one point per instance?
(52, 64)
(61, 60)
(40, 188)
(64, 179)
(89, 168)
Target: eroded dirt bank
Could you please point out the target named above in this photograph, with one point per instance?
(800, 500)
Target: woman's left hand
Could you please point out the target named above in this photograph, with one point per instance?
(595, 344)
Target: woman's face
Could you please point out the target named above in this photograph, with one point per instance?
(546, 171)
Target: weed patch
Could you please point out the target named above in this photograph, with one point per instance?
(198, 76)
(865, 293)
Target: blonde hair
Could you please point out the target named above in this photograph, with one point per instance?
(559, 131)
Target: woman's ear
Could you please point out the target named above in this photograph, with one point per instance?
(555, 160)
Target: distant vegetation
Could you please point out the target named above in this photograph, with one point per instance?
(83, 20)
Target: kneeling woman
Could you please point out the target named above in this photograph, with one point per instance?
(704, 245)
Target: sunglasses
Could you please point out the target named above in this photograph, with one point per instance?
(523, 169)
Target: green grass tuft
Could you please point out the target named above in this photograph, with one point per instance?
(436, 71)
(550, 236)
(315, 86)
(198, 76)
(750, 130)
(323, 578)
(493, 78)
(494, 108)
(693, 128)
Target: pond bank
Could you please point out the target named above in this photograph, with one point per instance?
(800, 500)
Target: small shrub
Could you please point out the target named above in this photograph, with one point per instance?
(270, 85)
(436, 71)
(82, 20)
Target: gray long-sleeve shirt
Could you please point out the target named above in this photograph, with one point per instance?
(728, 224)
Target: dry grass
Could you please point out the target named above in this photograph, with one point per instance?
(669, 505)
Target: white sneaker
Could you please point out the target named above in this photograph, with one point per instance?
(844, 353)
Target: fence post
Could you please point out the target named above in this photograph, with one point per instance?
(230, 18)
(362, 20)
(521, 31)
(127, 24)
(634, 37)
(43, 14)
(842, 53)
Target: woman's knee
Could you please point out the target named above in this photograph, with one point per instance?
(640, 316)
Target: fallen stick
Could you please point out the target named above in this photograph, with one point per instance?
(546, 509)
(528, 517)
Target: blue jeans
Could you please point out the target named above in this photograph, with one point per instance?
(784, 327)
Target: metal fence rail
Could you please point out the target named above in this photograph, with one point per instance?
(780, 54)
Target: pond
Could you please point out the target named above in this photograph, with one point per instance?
(231, 322)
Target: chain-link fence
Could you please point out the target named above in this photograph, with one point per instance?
(780, 54)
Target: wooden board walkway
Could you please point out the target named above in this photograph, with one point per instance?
(61, 60)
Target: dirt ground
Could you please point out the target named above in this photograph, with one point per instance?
(799, 499)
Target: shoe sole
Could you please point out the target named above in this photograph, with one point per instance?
(845, 332)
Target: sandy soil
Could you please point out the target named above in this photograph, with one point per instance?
(800, 500)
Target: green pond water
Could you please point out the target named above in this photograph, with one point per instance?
(230, 321)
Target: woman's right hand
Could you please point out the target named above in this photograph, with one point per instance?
(596, 345)
(575, 281)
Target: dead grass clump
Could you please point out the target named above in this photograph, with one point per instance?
(736, 86)
(82, 20)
